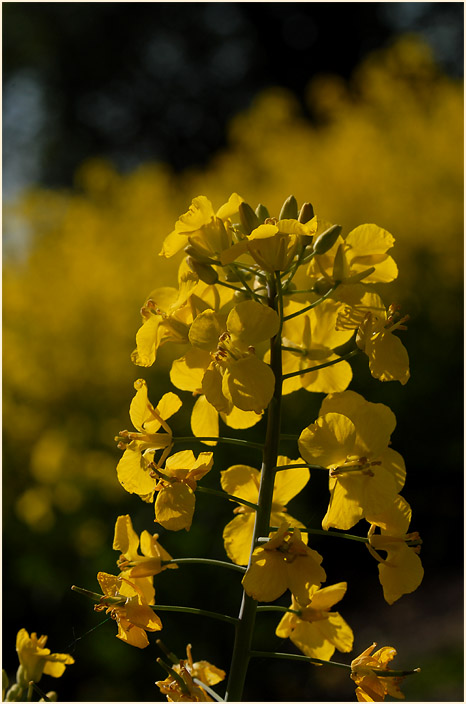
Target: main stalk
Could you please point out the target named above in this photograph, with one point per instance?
(247, 614)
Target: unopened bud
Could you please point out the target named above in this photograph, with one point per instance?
(306, 213)
(51, 697)
(289, 209)
(22, 677)
(206, 273)
(248, 217)
(262, 213)
(195, 254)
(327, 239)
(322, 286)
(16, 693)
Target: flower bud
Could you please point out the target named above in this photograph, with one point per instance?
(51, 697)
(206, 273)
(306, 213)
(262, 213)
(195, 254)
(232, 276)
(289, 209)
(22, 677)
(322, 286)
(248, 217)
(327, 239)
(16, 693)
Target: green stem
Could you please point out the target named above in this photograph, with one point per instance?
(247, 614)
(196, 612)
(225, 495)
(204, 561)
(227, 285)
(327, 533)
(231, 441)
(312, 305)
(321, 366)
(256, 296)
(292, 656)
(278, 608)
(33, 686)
(298, 466)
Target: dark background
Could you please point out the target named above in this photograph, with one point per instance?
(138, 82)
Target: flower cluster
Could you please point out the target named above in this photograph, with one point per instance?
(266, 306)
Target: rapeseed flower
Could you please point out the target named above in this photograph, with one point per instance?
(187, 374)
(138, 568)
(273, 244)
(284, 562)
(36, 659)
(351, 438)
(401, 571)
(180, 686)
(388, 358)
(243, 481)
(316, 630)
(176, 484)
(206, 233)
(371, 687)
(127, 605)
(136, 463)
(235, 375)
(309, 340)
(361, 255)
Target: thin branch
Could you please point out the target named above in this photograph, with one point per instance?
(353, 353)
(311, 306)
(204, 561)
(225, 495)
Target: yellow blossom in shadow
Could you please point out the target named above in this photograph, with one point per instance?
(401, 571)
(134, 566)
(176, 484)
(351, 438)
(235, 375)
(36, 659)
(126, 604)
(136, 463)
(309, 340)
(316, 630)
(284, 562)
(370, 687)
(243, 481)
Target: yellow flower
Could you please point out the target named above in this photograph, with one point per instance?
(235, 375)
(127, 605)
(36, 659)
(315, 630)
(176, 484)
(310, 339)
(165, 317)
(188, 670)
(139, 568)
(401, 572)
(187, 374)
(168, 313)
(243, 481)
(370, 687)
(272, 245)
(207, 233)
(361, 255)
(285, 562)
(136, 463)
(351, 438)
(388, 358)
